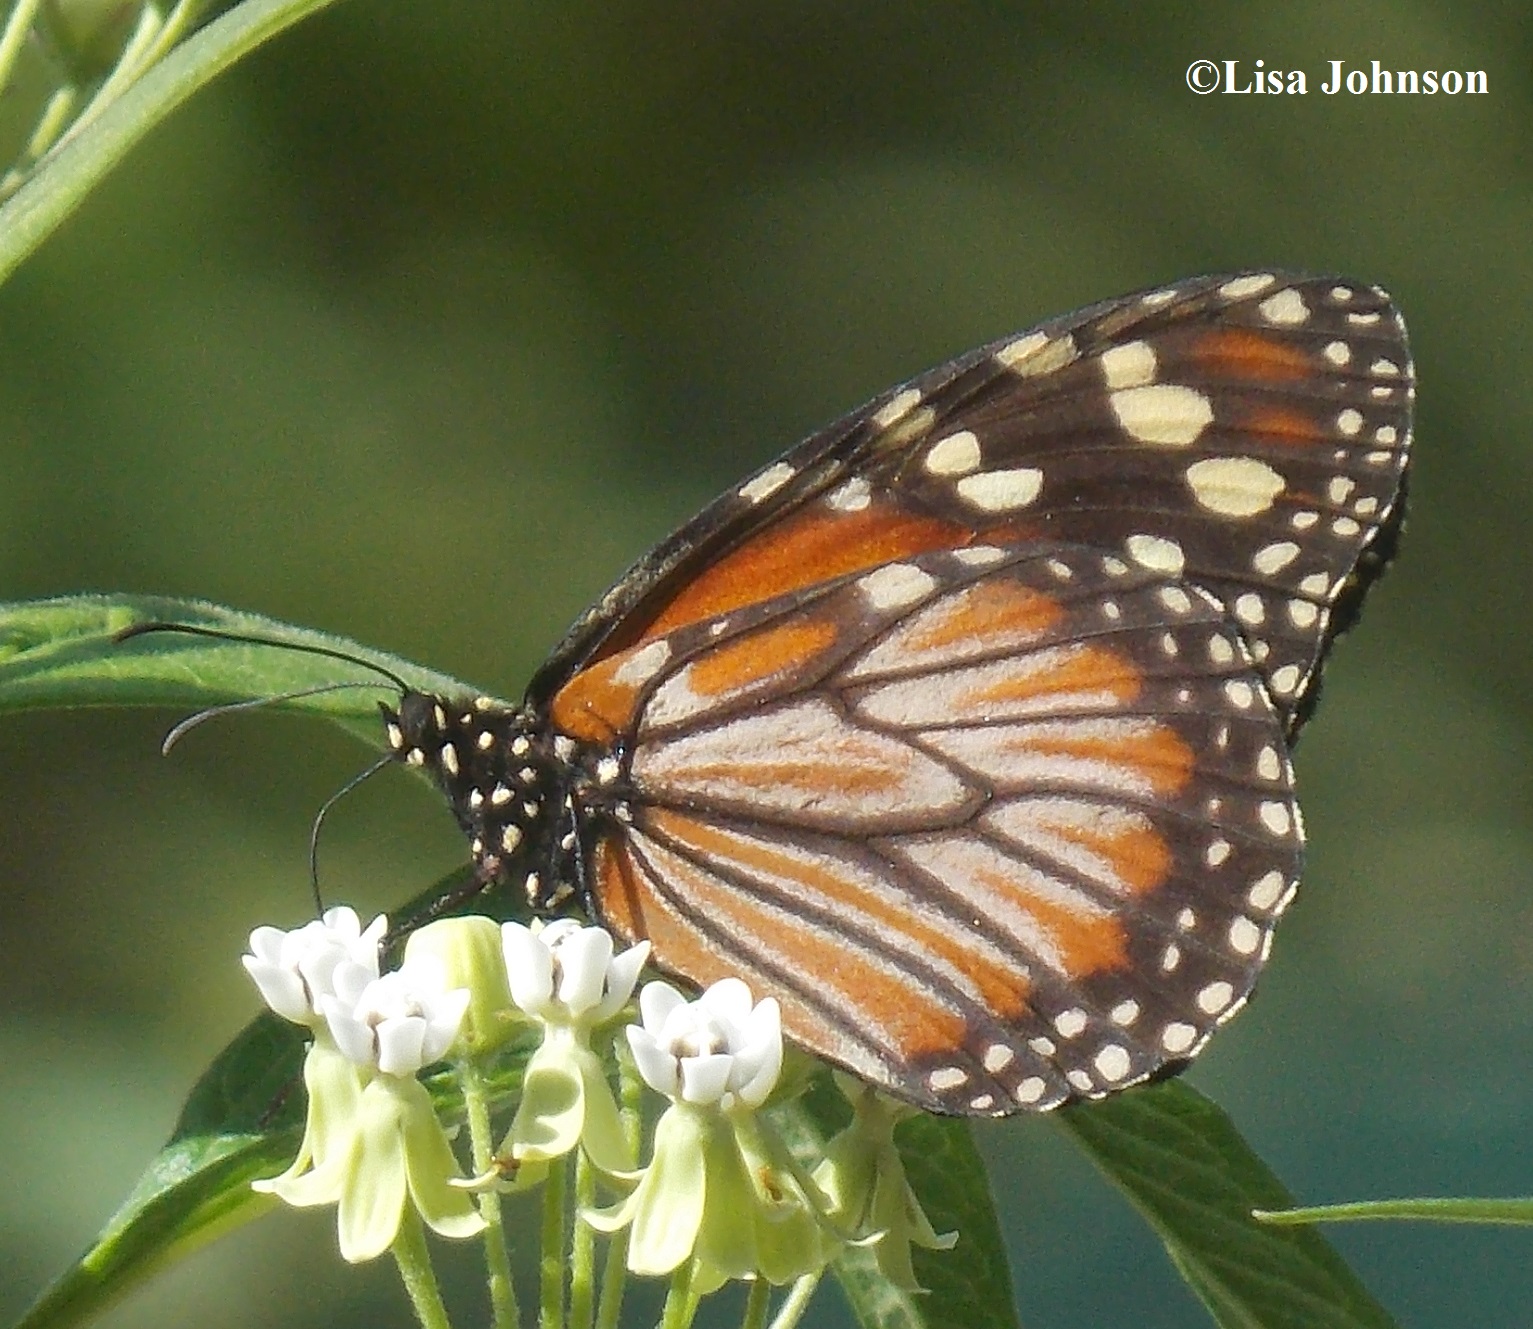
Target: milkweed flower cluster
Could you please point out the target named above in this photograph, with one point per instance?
(720, 1198)
(372, 1140)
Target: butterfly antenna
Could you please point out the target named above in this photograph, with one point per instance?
(319, 821)
(254, 639)
(253, 704)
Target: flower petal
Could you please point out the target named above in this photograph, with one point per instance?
(529, 968)
(656, 1002)
(668, 1205)
(583, 960)
(400, 1043)
(622, 974)
(373, 1200)
(430, 1168)
(659, 1069)
(704, 1079)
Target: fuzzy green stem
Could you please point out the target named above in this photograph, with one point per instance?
(60, 185)
(583, 1248)
(504, 1312)
(680, 1304)
(414, 1262)
(756, 1302)
(796, 1302)
(614, 1278)
(551, 1259)
(614, 1281)
(17, 28)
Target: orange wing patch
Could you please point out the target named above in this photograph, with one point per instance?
(1240, 353)
(880, 906)
(1062, 927)
(759, 655)
(812, 546)
(1134, 756)
(1037, 682)
(987, 618)
(600, 701)
(893, 1018)
(1287, 426)
(1113, 847)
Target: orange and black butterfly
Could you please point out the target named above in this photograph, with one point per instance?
(964, 728)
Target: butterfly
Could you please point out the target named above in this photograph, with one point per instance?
(964, 728)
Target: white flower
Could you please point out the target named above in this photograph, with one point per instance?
(563, 973)
(296, 970)
(567, 978)
(717, 1049)
(372, 1142)
(720, 1191)
(398, 1022)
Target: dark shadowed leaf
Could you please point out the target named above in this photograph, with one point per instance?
(1185, 1168)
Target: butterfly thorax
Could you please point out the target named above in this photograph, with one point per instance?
(513, 784)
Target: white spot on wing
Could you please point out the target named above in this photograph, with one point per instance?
(896, 585)
(957, 454)
(896, 408)
(1234, 486)
(767, 483)
(1273, 558)
(1250, 284)
(1215, 997)
(1164, 414)
(853, 496)
(1267, 890)
(1285, 309)
(1001, 491)
(1037, 353)
(1129, 366)
(1177, 1037)
(643, 664)
(1157, 553)
(1113, 1062)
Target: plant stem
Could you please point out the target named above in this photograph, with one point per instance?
(796, 1302)
(504, 1312)
(680, 1304)
(414, 1262)
(583, 1248)
(756, 1304)
(551, 1257)
(17, 28)
(614, 1281)
(614, 1277)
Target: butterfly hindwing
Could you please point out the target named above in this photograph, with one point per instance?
(986, 870)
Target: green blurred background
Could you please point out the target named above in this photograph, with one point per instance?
(431, 317)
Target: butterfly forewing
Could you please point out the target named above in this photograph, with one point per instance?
(1247, 433)
(986, 869)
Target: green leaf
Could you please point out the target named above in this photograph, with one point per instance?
(968, 1287)
(64, 652)
(1515, 1212)
(1186, 1169)
(243, 1120)
(70, 171)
